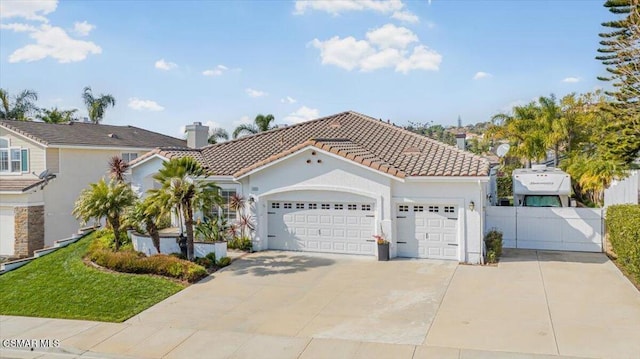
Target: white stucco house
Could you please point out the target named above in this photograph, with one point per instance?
(330, 184)
(34, 212)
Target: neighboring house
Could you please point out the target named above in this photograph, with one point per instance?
(34, 212)
(330, 184)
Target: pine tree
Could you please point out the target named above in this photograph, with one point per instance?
(620, 53)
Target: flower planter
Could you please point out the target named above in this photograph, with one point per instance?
(383, 252)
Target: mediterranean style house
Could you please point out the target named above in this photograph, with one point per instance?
(43, 168)
(329, 185)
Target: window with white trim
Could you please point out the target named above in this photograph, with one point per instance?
(223, 211)
(129, 156)
(13, 159)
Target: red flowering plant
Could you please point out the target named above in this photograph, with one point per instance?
(380, 239)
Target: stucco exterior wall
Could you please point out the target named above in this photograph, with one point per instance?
(78, 168)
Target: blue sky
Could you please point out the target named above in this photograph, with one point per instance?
(169, 63)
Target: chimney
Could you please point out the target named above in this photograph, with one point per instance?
(197, 135)
(461, 141)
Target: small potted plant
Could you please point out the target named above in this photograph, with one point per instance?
(383, 247)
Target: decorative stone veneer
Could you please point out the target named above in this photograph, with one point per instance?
(29, 230)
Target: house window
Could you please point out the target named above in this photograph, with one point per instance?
(129, 156)
(299, 205)
(338, 206)
(313, 206)
(287, 205)
(434, 209)
(325, 206)
(13, 159)
(418, 208)
(366, 207)
(275, 205)
(449, 209)
(223, 211)
(403, 208)
(352, 207)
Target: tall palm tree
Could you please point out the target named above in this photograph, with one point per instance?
(56, 116)
(216, 134)
(550, 119)
(260, 124)
(96, 106)
(22, 107)
(184, 188)
(105, 200)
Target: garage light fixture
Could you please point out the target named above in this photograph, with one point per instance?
(472, 206)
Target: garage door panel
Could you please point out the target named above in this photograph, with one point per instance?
(324, 227)
(427, 230)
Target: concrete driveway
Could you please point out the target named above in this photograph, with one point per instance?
(289, 305)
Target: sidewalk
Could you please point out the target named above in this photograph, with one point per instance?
(85, 339)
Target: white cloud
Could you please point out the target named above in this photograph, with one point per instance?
(422, 58)
(144, 105)
(386, 47)
(83, 28)
(165, 65)
(217, 71)
(336, 7)
(18, 27)
(302, 114)
(53, 41)
(571, 79)
(406, 16)
(27, 9)
(481, 75)
(391, 36)
(255, 93)
(288, 100)
(244, 120)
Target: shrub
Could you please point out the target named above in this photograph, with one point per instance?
(493, 242)
(241, 243)
(211, 256)
(178, 255)
(623, 231)
(128, 261)
(205, 262)
(223, 262)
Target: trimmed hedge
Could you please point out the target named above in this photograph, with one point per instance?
(623, 230)
(129, 261)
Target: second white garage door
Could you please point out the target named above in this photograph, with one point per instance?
(334, 227)
(427, 231)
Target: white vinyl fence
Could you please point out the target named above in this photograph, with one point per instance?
(567, 229)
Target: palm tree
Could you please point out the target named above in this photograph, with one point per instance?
(551, 122)
(523, 132)
(147, 214)
(23, 105)
(117, 168)
(96, 106)
(56, 116)
(260, 124)
(184, 188)
(217, 134)
(105, 200)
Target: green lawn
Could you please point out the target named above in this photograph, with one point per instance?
(60, 285)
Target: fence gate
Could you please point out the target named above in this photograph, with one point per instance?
(567, 229)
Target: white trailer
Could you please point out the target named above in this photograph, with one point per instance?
(541, 186)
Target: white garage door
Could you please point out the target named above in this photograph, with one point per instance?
(427, 231)
(333, 227)
(7, 240)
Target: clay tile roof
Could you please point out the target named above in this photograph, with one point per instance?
(18, 185)
(89, 134)
(359, 138)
